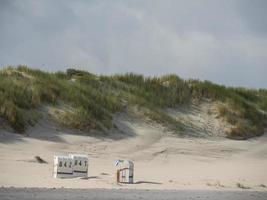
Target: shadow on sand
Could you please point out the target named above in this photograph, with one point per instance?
(147, 182)
(90, 177)
(48, 130)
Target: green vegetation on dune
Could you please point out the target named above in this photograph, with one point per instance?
(86, 101)
(23, 89)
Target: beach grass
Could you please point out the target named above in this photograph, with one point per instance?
(86, 101)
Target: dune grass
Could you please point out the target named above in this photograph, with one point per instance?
(86, 101)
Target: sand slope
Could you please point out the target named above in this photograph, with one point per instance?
(162, 160)
(201, 120)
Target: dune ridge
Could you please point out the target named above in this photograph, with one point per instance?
(88, 102)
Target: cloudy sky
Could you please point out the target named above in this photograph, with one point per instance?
(224, 41)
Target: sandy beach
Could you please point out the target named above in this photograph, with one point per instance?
(162, 161)
(144, 99)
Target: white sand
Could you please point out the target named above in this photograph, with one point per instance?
(162, 161)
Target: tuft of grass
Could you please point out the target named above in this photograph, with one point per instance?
(216, 184)
(240, 185)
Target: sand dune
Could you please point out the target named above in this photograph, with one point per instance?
(201, 120)
(162, 160)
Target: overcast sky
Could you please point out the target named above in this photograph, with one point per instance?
(224, 41)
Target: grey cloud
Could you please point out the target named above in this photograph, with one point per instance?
(222, 41)
(253, 14)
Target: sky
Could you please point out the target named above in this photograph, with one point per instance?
(224, 41)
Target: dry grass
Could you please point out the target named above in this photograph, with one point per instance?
(216, 184)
